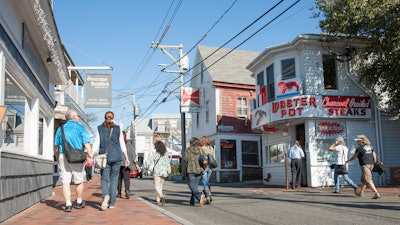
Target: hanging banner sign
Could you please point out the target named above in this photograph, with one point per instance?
(97, 91)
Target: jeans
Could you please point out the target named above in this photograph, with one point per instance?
(346, 178)
(206, 177)
(193, 184)
(109, 181)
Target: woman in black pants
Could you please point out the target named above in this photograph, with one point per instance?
(124, 171)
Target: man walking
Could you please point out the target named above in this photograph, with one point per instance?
(77, 136)
(295, 155)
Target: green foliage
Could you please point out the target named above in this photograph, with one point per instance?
(378, 22)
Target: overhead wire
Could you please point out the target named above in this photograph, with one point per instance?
(201, 39)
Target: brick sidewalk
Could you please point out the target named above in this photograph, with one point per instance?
(127, 211)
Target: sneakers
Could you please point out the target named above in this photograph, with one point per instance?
(80, 206)
(104, 205)
(202, 200)
(68, 208)
(376, 196)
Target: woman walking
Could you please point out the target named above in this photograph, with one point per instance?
(124, 171)
(161, 168)
(109, 139)
(341, 150)
(194, 171)
(366, 158)
(207, 151)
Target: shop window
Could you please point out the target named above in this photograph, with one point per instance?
(276, 152)
(330, 73)
(250, 153)
(13, 124)
(228, 154)
(270, 83)
(242, 108)
(288, 69)
(323, 153)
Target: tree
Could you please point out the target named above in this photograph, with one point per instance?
(378, 23)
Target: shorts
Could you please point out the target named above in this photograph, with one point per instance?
(366, 174)
(70, 172)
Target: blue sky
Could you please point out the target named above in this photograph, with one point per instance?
(120, 34)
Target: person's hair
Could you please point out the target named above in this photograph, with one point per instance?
(340, 140)
(156, 138)
(124, 134)
(109, 120)
(194, 142)
(364, 139)
(204, 141)
(160, 147)
(70, 114)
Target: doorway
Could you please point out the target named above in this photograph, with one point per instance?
(301, 136)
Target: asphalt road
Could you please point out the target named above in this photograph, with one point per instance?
(243, 203)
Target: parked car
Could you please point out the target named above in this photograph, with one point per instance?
(135, 173)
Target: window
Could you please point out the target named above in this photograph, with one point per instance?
(288, 69)
(276, 153)
(14, 121)
(242, 107)
(270, 83)
(260, 79)
(250, 153)
(330, 74)
(207, 111)
(323, 154)
(228, 154)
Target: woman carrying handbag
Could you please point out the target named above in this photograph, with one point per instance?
(109, 140)
(340, 149)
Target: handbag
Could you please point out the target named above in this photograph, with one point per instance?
(153, 166)
(71, 154)
(101, 159)
(212, 162)
(379, 167)
(342, 169)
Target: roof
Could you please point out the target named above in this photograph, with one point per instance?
(227, 65)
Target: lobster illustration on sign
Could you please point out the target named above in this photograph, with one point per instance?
(284, 86)
(259, 114)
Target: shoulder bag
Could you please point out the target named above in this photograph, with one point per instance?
(212, 162)
(152, 170)
(71, 154)
(101, 159)
(342, 169)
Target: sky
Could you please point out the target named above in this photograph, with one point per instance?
(120, 34)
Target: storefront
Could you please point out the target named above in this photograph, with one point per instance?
(305, 94)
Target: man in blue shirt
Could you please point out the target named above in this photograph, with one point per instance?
(77, 136)
(295, 155)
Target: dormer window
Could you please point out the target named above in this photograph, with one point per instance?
(288, 69)
(330, 73)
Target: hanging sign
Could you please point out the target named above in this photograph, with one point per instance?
(97, 91)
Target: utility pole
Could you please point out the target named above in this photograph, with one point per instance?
(136, 113)
(182, 65)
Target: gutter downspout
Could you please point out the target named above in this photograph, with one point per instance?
(378, 126)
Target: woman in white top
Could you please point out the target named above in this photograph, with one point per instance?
(339, 147)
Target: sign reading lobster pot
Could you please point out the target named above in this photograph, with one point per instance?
(97, 93)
